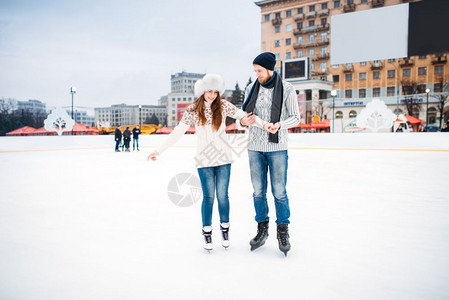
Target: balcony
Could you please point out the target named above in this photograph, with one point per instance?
(348, 7)
(315, 28)
(298, 17)
(439, 59)
(320, 57)
(277, 21)
(377, 66)
(305, 45)
(347, 69)
(309, 29)
(311, 14)
(323, 12)
(320, 72)
(406, 62)
(377, 3)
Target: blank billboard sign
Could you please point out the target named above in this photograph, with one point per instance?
(396, 31)
(371, 34)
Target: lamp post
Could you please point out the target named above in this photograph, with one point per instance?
(140, 116)
(427, 108)
(72, 91)
(333, 94)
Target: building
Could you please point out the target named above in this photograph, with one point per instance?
(82, 117)
(184, 82)
(301, 28)
(122, 114)
(34, 106)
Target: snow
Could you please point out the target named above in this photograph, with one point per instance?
(369, 221)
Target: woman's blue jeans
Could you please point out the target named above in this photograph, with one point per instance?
(276, 163)
(215, 180)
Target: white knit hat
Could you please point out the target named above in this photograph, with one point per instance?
(210, 82)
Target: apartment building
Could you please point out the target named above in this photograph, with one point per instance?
(122, 114)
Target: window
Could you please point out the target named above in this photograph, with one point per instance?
(336, 4)
(324, 5)
(364, 1)
(277, 15)
(376, 75)
(348, 77)
(391, 60)
(362, 93)
(350, 1)
(362, 76)
(376, 92)
(406, 72)
(288, 13)
(288, 55)
(323, 51)
(277, 43)
(421, 88)
(299, 25)
(299, 53)
(348, 94)
(323, 21)
(311, 52)
(422, 56)
(324, 37)
(363, 63)
(336, 78)
(335, 66)
(391, 73)
(422, 71)
(288, 41)
(278, 56)
(352, 114)
(300, 10)
(439, 69)
(277, 29)
(299, 40)
(288, 28)
(349, 66)
(437, 87)
(311, 37)
(339, 115)
(312, 23)
(267, 18)
(323, 66)
(391, 91)
(312, 8)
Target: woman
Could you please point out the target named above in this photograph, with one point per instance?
(213, 155)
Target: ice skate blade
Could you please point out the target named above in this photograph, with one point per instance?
(255, 247)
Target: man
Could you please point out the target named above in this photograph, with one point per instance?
(127, 138)
(118, 138)
(136, 133)
(275, 101)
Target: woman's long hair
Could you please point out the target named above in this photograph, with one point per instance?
(217, 116)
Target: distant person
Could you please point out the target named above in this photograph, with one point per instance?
(118, 138)
(422, 128)
(136, 133)
(213, 153)
(127, 138)
(444, 128)
(399, 129)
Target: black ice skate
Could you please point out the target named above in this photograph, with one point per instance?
(284, 244)
(261, 237)
(207, 234)
(224, 227)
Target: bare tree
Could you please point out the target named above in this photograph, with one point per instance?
(443, 98)
(410, 90)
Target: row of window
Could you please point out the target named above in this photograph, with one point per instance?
(391, 91)
(300, 39)
(339, 114)
(299, 25)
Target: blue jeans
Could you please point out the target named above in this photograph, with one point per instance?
(215, 179)
(135, 141)
(277, 163)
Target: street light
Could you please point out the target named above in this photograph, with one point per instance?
(427, 109)
(333, 94)
(72, 91)
(140, 116)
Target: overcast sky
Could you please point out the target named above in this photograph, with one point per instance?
(121, 51)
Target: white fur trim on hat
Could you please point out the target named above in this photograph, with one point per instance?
(209, 82)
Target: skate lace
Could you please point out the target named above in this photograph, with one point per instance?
(208, 238)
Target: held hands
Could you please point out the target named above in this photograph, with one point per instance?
(152, 156)
(272, 128)
(249, 119)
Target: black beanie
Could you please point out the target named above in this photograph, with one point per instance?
(266, 60)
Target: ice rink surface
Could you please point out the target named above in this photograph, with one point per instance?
(369, 220)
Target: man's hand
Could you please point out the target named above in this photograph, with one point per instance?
(272, 128)
(152, 156)
(249, 119)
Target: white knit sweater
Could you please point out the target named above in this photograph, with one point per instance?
(213, 148)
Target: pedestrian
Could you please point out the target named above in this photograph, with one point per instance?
(118, 138)
(213, 153)
(127, 138)
(273, 100)
(445, 128)
(399, 129)
(422, 128)
(136, 133)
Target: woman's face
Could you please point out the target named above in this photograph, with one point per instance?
(210, 96)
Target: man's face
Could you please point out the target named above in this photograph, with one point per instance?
(262, 74)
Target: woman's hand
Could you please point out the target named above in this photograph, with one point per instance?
(152, 156)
